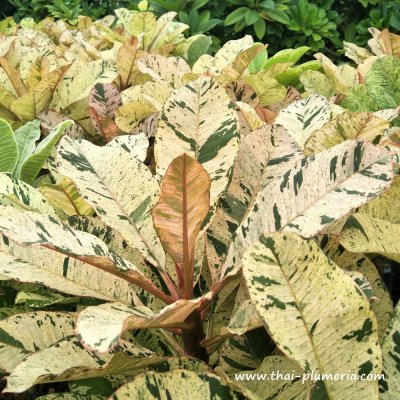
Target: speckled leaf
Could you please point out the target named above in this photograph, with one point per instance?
(180, 384)
(156, 93)
(100, 327)
(36, 100)
(119, 187)
(68, 360)
(69, 396)
(20, 195)
(365, 234)
(314, 193)
(50, 119)
(64, 198)
(129, 115)
(304, 117)
(317, 82)
(8, 147)
(291, 282)
(381, 303)
(104, 101)
(29, 228)
(346, 126)
(277, 387)
(78, 81)
(390, 387)
(386, 205)
(169, 69)
(199, 120)
(66, 275)
(23, 334)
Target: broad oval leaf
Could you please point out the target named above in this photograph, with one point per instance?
(8, 147)
(292, 283)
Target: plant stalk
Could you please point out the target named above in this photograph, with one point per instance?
(193, 336)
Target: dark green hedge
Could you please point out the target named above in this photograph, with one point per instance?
(319, 24)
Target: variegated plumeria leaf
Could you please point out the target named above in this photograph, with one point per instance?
(245, 182)
(291, 282)
(20, 195)
(119, 187)
(385, 206)
(41, 298)
(180, 384)
(70, 396)
(381, 303)
(129, 115)
(32, 165)
(64, 198)
(78, 81)
(23, 334)
(156, 93)
(283, 380)
(179, 214)
(135, 145)
(29, 228)
(168, 69)
(390, 386)
(317, 82)
(304, 117)
(50, 119)
(349, 175)
(104, 101)
(223, 57)
(199, 120)
(37, 99)
(58, 272)
(8, 148)
(68, 360)
(364, 234)
(100, 327)
(346, 126)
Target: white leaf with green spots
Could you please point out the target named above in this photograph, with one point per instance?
(390, 386)
(23, 334)
(365, 234)
(303, 117)
(180, 384)
(119, 187)
(332, 327)
(314, 193)
(199, 120)
(23, 196)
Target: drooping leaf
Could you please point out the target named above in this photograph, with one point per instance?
(291, 282)
(349, 175)
(100, 327)
(122, 200)
(199, 120)
(181, 209)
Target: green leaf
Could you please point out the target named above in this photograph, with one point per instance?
(259, 28)
(279, 16)
(332, 327)
(8, 148)
(31, 167)
(235, 16)
(286, 56)
(251, 17)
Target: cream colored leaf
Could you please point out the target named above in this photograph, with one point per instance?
(332, 327)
